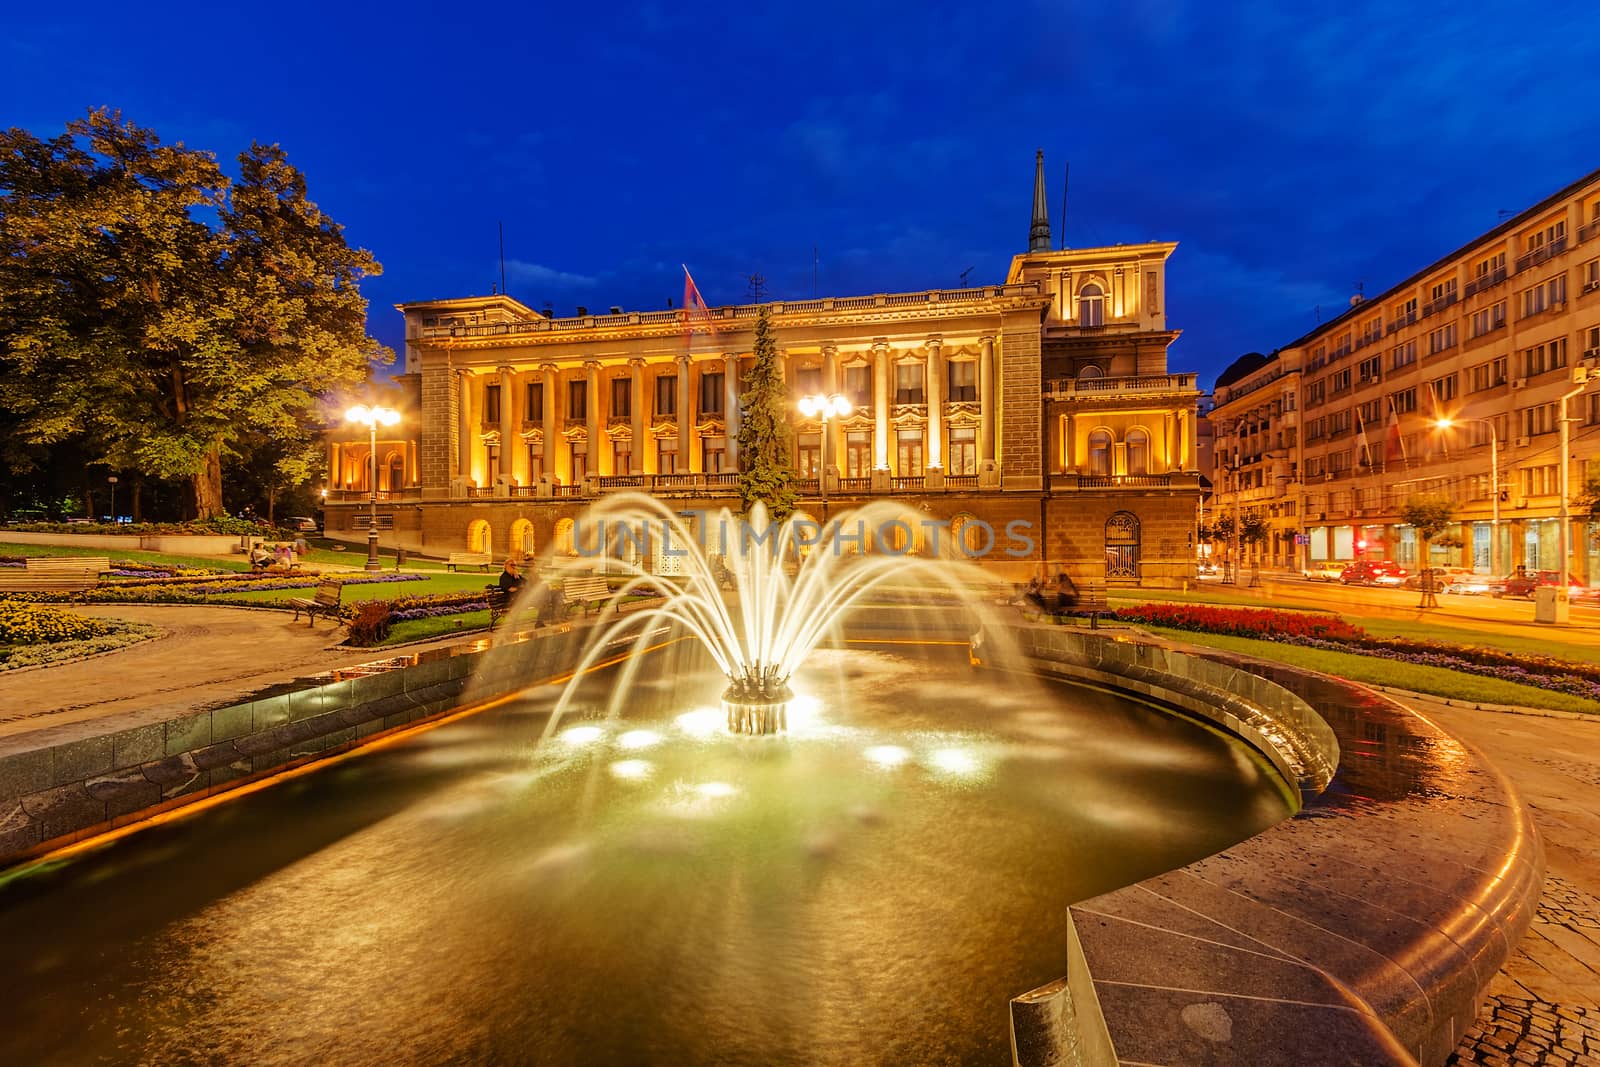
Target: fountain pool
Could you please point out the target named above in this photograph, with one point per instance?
(870, 887)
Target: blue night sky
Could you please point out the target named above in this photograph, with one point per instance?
(1291, 154)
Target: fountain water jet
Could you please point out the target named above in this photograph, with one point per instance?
(793, 582)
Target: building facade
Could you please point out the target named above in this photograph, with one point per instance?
(1455, 383)
(1045, 401)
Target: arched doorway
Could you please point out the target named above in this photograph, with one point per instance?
(1122, 545)
(521, 543)
(563, 538)
(479, 537)
(396, 466)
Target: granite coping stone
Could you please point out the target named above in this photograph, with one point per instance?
(1403, 885)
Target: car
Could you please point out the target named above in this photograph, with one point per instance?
(1324, 570)
(1450, 580)
(1373, 572)
(1524, 584)
(301, 523)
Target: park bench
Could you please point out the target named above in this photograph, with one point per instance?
(59, 573)
(1091, 604)
(585, 591)
(325, 602)
(468, 559)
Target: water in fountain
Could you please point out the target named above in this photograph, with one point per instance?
(791, 583)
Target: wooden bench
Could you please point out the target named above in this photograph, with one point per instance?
(1091, 603)
(325, 602)
(468, 559)
(586, 591)
(61, 573)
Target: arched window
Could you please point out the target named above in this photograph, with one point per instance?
(521, 538)
(564, 539)
(1091, 306)
(480, 537)
(1122, 545)
(396, 471)
(1088, 371)
(1100, 453)
(1138, 442)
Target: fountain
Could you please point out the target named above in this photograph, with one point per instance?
(779, 617)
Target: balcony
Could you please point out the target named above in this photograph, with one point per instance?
(1171, 480)
(1535, 256)
(1434, 306)
(1484, 282)
(1589, 232)
(364, 496)
(1105, 388)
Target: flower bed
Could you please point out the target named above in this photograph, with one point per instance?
(1331, 633)
(113, 634)
(36, 624)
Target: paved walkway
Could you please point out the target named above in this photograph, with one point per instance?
(209, 657)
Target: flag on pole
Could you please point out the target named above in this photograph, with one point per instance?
(694, 307)
(1392, 443)
(1363, 449)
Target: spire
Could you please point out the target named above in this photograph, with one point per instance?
(1039, 232)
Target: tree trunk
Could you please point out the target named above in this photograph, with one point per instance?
(206, 484)
(138, 511)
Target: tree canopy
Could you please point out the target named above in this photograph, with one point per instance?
(766, 469)
(162, 316)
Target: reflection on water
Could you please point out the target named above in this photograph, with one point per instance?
(870, 889)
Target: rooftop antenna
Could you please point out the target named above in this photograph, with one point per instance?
(1317, 311)
(1503, 214)
(502, 257)
(1066, 174)
(813, 272)
(964, 274)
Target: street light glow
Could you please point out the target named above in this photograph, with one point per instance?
(372, 417)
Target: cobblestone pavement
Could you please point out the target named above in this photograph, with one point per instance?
(1544, 1006)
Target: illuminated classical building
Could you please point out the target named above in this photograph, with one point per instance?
(1331, 435)
(1045, 399)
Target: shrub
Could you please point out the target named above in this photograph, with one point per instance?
(370, 622)
(33, 624)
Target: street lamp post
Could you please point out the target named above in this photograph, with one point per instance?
(111, 480)
(1494, 488)
(822, 407)
(371, 417)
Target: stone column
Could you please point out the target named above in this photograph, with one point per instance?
(933, 371)
(552, 432)
(599, 458)
(986, 397)
(637, 422)
(830, 386)
(730, 404)
(508, 430)
(468, 430)
(688, 459)
(335, 465)
(881, 399)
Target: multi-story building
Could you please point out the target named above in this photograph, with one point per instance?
(1255, 457)
(1492, 339)
(1044, 401)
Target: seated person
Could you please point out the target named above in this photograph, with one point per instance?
(1033, 592)
(510, 579)
(260, 557)
(1066, 592)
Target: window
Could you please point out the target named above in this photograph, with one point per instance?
(1122, 545)
(1541, 418)
(1490, 267)
(1403, 355)
(1316, 393)
(1552, 294)
(535, 462)
(1317, 428)
(667, 395)
(1540, 481)
(1403, 313)
(716, 454)
(1370, 412)
(858, 385)
(908, 450)
(1339, 381)
(580, 459)
(1319, 356)
(1550, 237)
(1589, 275)
(963, 381)
(1404, 401)
(533, 402)
(621, 401)
(1489, 319)
(1443, 292)
(963, 447)
(667, 455)
(808, 381)
(1370, 369)
(808, 455)
(1443, 389)
(491, 403)
(1100, 453)
(858, 453)
(1487, 375)
(711, 393)
(577, 400)
(493, 448)
(621, 457)
(1339, 422)
(908, 383)
(1091, 306)
(1552, 355)
(1442, 338)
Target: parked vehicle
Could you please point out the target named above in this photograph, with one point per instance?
(1451, 580)
(1525, 583)
(1373, 572)
(301, 523)
(1326, 570)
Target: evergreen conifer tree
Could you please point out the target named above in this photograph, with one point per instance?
(766, 441)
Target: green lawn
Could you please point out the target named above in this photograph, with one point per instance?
(210, 562)
(432, 583)
(1435, 681)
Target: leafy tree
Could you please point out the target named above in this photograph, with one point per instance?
(162, 315)
(1253, 529)
(766, 441)
(1430, 516)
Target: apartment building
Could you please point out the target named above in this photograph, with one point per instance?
(1453, 382)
